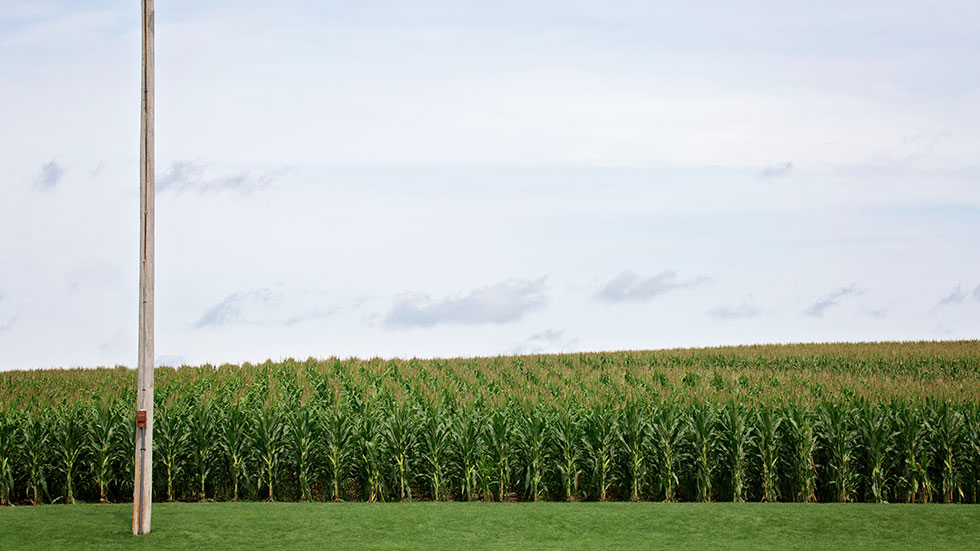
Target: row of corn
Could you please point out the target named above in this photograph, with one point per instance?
(386, 449)
(808, 373)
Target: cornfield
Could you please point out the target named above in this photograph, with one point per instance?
(889, 422)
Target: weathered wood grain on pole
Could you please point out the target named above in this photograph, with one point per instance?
(143, 487)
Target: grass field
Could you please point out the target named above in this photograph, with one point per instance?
(434, 526)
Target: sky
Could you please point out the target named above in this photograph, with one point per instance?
(459, 178)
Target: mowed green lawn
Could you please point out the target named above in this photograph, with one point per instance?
(464, 526)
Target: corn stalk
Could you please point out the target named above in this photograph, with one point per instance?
(768, 424)
(267, 436)
(36, 437)
(232, 433)
(467, 433)
(69, 444)
(105, 422)
(400, 442)
(667, 434)
(302, 435)
(338, 435)
(435, 452)
(634, 441)
(948, 431)
(876, 439)
(702, 442)
(170, 443)
(499, 439)
(8, 451)
(599, 442)
(200, 443)
(566, 440)
(839, 440)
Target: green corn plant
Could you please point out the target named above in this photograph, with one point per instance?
(914, 458)
(200, 443)
(36, 436)
(467, 435)
(170, 440)
(534, 453)
(565, 434)
(338, 437)
(667, 434)
(8, 456)
(768, 424)
(599, 443)
(69, 443)
(634, 441)
(702, 435)
(498, 441)
(101, 442)
(876, 439)
(435, 452)
(948, 431)
(302, 436)
(232, 435)
(400, 444)
(735, 439)
(370, 453)
(486, 466)
(973, 449)
(802, 444)
(839, 441)
(125, 461)
(267, 441)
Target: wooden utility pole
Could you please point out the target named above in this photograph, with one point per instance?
(143, 486)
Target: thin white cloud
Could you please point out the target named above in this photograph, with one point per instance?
(549, 340)
(501, 303)
(911, 149)
(745, 310)
(230, 310)
(193, 175)
(826, 302)
(49, 176)
(311, 315)
(956, 296)
(630, 286)
(876, 312)
(776, 171)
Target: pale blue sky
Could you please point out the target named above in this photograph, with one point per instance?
(471, 178)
